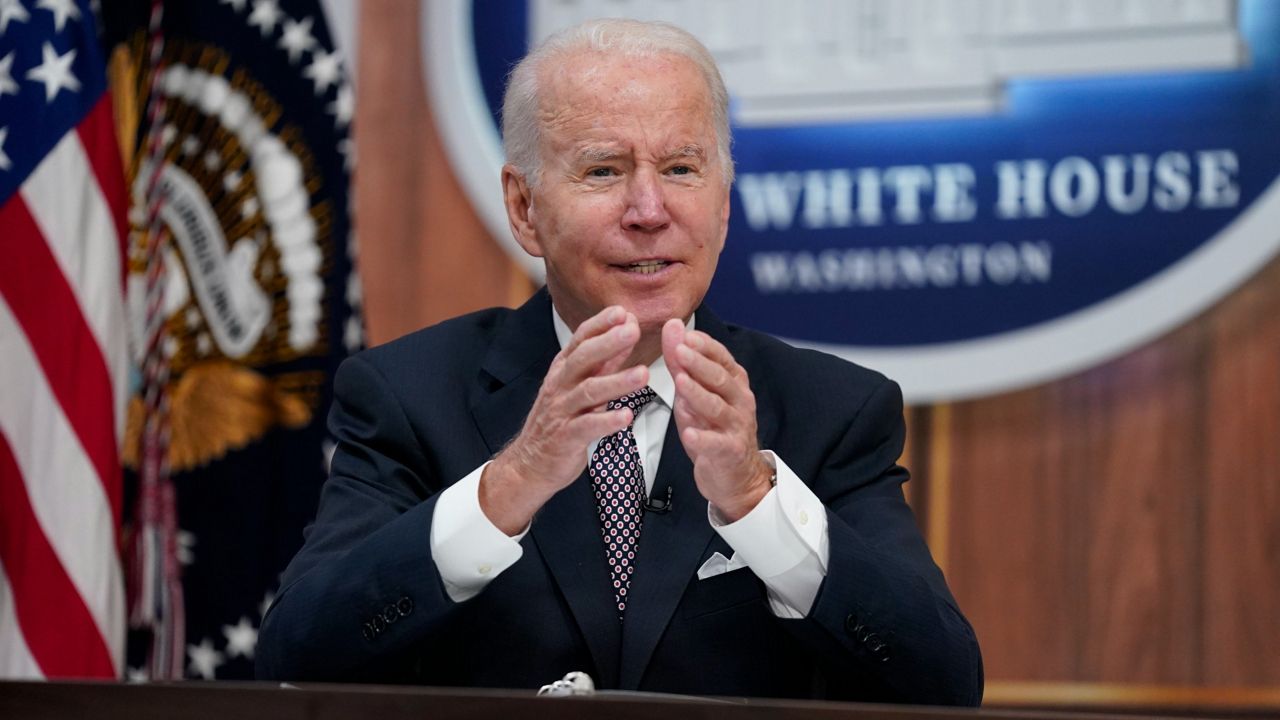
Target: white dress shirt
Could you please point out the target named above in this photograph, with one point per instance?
(783, 540)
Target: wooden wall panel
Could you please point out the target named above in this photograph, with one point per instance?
(424, 255)
(1120, 526)
(1242, 503)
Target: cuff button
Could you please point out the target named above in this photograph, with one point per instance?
(404, 606)
(851, 624)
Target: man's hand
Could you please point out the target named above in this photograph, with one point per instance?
(716, 414)
(568, 414)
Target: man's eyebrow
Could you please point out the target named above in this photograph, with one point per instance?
(691, 150)
(598, 154)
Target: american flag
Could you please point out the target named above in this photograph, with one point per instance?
(63, 358)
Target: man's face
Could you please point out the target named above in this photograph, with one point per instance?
(631, 207)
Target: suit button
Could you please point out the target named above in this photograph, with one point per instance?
(881, 652)
(378, 624)
(851, 624)
(368, 632)
(872, 641)
(404, 606)
(389, 614)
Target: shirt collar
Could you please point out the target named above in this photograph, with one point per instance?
(660, 380)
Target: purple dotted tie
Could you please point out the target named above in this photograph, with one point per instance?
(618, 480)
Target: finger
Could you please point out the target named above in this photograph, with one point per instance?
(594, 392)
(615, 363)
(685, 418)
(589, 357)
(586, 428)
(673, 333)
(597, 324)
(711, 348)
(713, 376)
(707, 407)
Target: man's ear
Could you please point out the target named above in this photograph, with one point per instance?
(518, 198)
(724, 217)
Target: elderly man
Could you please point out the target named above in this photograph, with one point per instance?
(609, 478)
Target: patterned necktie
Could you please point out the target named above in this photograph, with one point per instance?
(618, 480)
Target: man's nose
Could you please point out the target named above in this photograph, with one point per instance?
(646, 204)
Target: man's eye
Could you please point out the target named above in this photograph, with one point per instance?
(681, 170)
(600, 172)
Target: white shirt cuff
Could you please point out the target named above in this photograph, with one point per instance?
(469, 551)
(783, 540)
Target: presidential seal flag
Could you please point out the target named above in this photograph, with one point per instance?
(237, 115)
(63, 379)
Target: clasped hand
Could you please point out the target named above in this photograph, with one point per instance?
(714, 412)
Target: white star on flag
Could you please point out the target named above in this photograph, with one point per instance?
(7, 85)
(205, 659)
(343, 106)
(353, 334)
(11, 10)
(325, 70)
(265, 15)
(62, 10)
(55, 72)
(355, 292)
(347, 149)
(297, 38)
(241, 638)
(5, 163)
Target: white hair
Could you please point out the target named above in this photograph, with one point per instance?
(627, 38)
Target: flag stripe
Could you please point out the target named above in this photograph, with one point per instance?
(57, 626)
(63, 494)
(15, 656)
(98, 137)
(74, 219)
(47, 310)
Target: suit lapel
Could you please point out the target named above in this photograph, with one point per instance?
(512, 370)
(566, 531)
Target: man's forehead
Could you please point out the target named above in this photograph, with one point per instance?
(616, 75)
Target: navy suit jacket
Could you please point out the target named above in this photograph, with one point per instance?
(363, 600)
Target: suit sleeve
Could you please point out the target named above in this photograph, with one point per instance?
(883, 611)
(363, 589)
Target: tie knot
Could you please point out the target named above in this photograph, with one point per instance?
(636, 400)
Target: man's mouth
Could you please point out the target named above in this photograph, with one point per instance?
(645, 267)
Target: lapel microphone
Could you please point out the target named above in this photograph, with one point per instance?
(658, 506)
